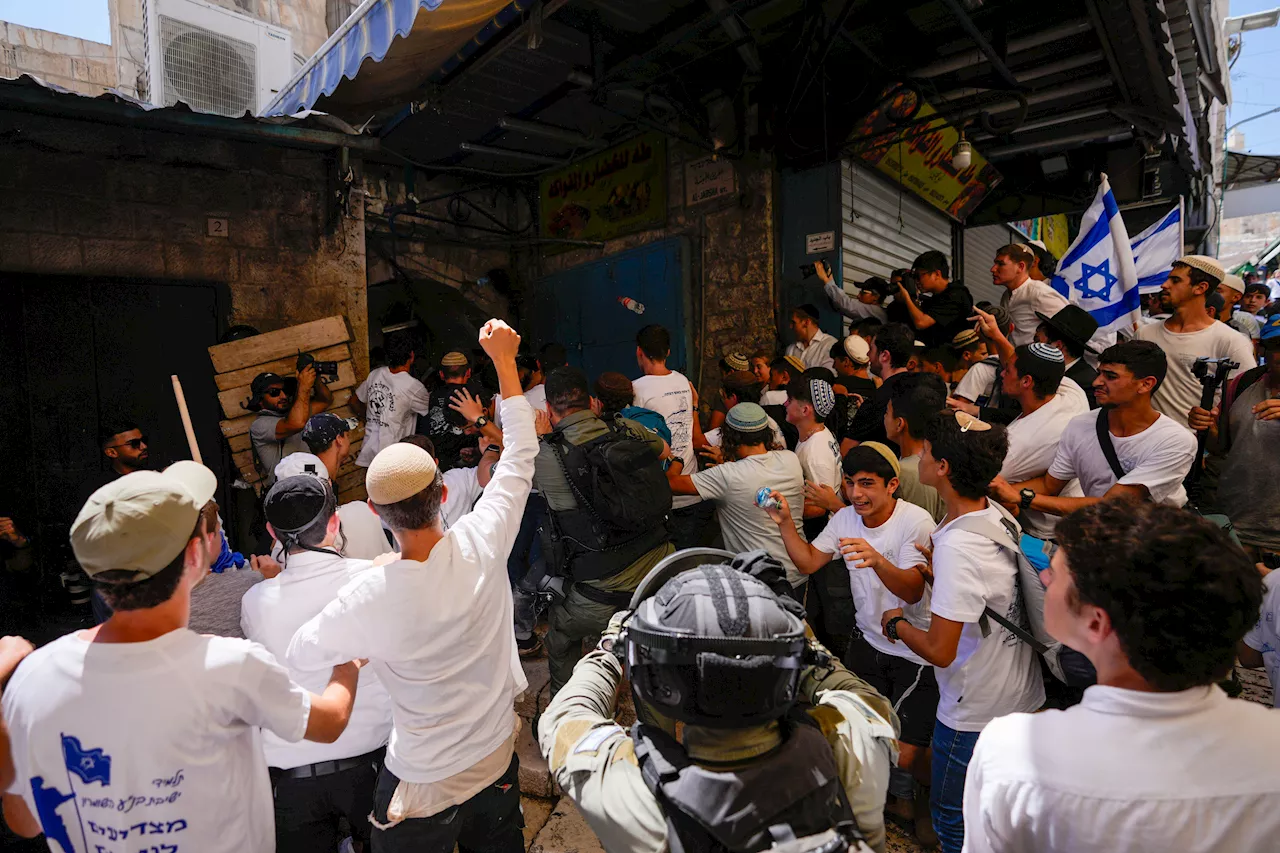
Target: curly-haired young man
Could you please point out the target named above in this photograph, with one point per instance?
(1156, 757)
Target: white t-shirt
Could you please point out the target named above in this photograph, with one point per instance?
(393, 401)
(774, 398)
(994, 675)
(1191, 771)
(1180, 390)
(819, 456)
(977, 383)
(1159, 458)
(672, 397)
(898, 540)
(1023, 302)
(464, 491)
(816, 353)
(364, 537)
(745, 526)
(537, 397)
(154, 742)
(1264, 636)
(438, 633)
(271, 612)
(1033, 441)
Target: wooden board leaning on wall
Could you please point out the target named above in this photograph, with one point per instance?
(236, 364)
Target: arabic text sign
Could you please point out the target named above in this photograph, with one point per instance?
(614, 192)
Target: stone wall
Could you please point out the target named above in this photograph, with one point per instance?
(72, 63)
(733, 264)
(137, 203)
(445, 251)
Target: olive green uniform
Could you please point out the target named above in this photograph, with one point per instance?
(578, 617)
(593, 758)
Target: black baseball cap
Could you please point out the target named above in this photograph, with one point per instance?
(295, 503)
(321, 430)
(262, 382)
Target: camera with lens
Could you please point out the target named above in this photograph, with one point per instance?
(1200, 369)
(324, 369)
(910, 282)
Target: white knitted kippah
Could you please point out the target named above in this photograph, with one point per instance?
(1204, 263)
(399, 471)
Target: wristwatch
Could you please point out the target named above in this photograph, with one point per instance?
(891, 627)
(481, 422)
(1025, 497)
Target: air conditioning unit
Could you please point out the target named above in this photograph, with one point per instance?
(212, 59)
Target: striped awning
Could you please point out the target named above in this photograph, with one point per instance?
(409, 43)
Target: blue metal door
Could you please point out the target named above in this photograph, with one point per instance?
(580, 307)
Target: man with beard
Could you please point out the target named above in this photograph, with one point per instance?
(125, 447)
(283, 407)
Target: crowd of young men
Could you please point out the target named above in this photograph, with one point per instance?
(906, 520)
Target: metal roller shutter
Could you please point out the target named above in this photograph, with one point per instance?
(884, 227)
(980, 246)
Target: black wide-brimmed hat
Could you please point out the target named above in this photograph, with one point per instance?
(1074, 324)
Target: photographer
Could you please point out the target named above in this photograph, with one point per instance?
(388, 399)
(868, 303)
(283, 407)
(1243, 431)
(1190, 333)
(946, 311)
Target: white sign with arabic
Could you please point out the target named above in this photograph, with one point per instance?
(707, 179)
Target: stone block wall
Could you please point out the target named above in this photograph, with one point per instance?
(72, 63)
(87, 199)
(733, 275)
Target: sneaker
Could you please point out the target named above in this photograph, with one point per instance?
(530, 647)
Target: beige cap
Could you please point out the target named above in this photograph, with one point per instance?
(454, 359)
(857, 349)
(141, 521)
(1234, 282)
(399, 471)
(1204, 263)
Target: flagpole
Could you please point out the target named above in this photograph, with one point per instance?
(75, 798)
(1182, 224)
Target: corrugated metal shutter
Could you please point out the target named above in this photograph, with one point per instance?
(885, 227)
(980, 246)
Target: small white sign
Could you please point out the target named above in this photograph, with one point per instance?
(218, 227)
(707, 179)
(816, 244)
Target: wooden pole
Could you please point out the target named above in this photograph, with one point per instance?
(186, 419)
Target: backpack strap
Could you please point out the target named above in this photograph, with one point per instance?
(1103, 429)
(1239, 384)
(1006, 536)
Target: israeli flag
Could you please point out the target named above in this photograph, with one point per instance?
(1097, 272)
(1155, 250)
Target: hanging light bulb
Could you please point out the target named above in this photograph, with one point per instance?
(962, 154)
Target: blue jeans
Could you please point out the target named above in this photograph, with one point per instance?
(951, 753)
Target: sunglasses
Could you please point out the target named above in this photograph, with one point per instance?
(135, 443)
(273, 392)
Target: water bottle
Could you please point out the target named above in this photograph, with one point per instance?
(765, 499)
(631, 304)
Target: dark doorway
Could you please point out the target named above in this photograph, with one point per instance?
(77, 352)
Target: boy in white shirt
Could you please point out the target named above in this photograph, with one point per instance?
(1153, 452)
(984, 671)
(1024, 297)
(878, 538)
(1155, 757)
(670, 393)
(389, 400)
(1032, 377)
(809, 401)
(436, 626)
(140, 726)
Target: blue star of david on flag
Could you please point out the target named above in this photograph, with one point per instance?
(91, 765)
(1103, 271)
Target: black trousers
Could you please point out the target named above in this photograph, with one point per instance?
(489, 822)
(308, 810)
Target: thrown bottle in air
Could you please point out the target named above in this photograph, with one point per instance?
(631, 304)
